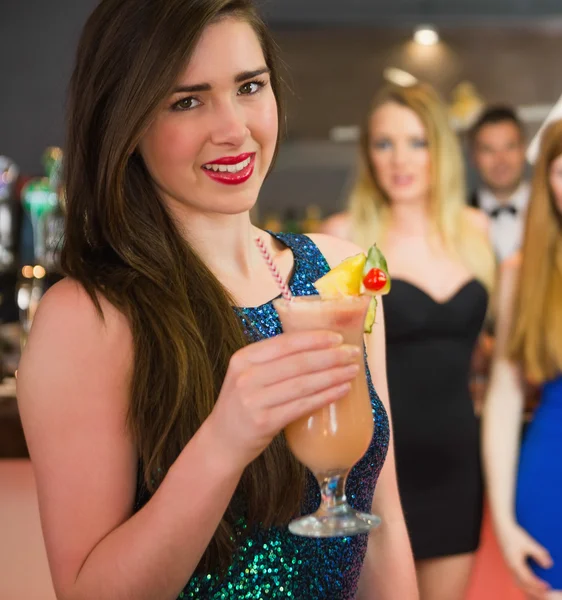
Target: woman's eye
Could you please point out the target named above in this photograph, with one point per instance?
(186, 103)
(250, 88)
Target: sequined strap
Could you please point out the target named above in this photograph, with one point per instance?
(306, 253)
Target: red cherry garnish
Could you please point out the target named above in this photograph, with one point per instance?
(375, 280)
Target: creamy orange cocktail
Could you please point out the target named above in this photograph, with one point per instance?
(336, 436)
(330, 440)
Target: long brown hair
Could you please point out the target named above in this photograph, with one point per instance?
(369, 206)
(536, 338)
(121, 242)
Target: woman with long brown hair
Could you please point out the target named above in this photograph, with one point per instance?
(526, 501)
(153, 424)
(409, 195)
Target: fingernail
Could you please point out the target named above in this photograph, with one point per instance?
(352, 369)
(343, 389)
(336, 339)
(352, 351)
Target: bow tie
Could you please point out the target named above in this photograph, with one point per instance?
(508, 208)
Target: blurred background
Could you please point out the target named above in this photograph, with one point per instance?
(337, 54)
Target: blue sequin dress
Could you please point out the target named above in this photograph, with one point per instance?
(273, 563)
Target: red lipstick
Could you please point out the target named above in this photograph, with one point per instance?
(231, 170)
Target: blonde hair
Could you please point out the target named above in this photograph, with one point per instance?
(536, 337)
(369, 205)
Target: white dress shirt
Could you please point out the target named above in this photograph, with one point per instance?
(507, 220)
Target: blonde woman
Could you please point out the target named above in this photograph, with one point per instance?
(526, 505)
(410, 197)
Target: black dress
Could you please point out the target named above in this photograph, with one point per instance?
(436, 434)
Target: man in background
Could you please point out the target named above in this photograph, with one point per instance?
(497, 145)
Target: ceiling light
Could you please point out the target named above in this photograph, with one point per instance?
(426, 35)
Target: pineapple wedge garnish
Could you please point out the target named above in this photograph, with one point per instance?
(343, 280)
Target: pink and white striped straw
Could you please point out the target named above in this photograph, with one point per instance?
(285, 291)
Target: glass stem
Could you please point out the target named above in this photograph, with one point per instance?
(332, 490)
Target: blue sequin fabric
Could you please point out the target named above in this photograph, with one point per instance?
(273, 563)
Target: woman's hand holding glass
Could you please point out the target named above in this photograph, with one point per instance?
(274, 382)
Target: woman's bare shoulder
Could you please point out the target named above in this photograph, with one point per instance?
(68, 331)
(67, 304)
(337, 225)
